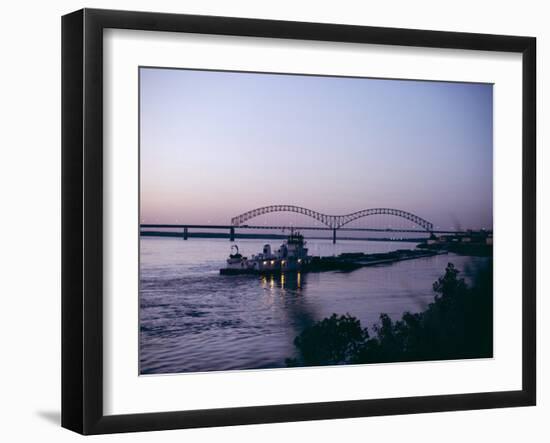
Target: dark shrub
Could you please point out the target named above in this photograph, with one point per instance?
(457, 324)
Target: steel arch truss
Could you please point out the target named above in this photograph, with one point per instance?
(332, 221)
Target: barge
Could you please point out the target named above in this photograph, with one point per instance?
(290, 257)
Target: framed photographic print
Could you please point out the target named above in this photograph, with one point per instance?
(269, 221)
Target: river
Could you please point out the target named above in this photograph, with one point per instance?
(192, 319)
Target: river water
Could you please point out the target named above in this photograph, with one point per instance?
(192, 319)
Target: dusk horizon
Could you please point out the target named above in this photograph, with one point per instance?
(215, 144)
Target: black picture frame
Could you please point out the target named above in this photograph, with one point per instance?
(82, 215)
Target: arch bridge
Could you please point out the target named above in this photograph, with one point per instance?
(333, 222)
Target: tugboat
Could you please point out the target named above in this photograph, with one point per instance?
(290, 257)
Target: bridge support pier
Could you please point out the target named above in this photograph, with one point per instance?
(334, 236)
(232, 234)
(185, 233)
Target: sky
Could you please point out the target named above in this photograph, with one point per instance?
(215, 144)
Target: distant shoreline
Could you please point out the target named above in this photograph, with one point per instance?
(265, 236)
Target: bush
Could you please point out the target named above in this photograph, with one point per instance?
(334, 340)
(457, 324)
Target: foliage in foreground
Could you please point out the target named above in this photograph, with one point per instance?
(457, 324)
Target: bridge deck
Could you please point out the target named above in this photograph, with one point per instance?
(301, 228)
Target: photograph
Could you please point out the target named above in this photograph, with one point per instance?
(291, 220)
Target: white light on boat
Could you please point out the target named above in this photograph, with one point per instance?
(282, 262)
(265, 263)
(272, 262)
(299, 260)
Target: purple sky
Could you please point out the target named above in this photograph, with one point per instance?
(216, 144)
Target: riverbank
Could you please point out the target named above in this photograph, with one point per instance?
(471, 249)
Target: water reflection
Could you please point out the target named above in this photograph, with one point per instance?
(290, 281)
(288, 288)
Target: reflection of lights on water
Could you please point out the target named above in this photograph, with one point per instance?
(282, 281)
(272, 282)
(264, 281)
(299, 279)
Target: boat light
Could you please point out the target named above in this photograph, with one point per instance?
(272, 262)
(265, 263)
